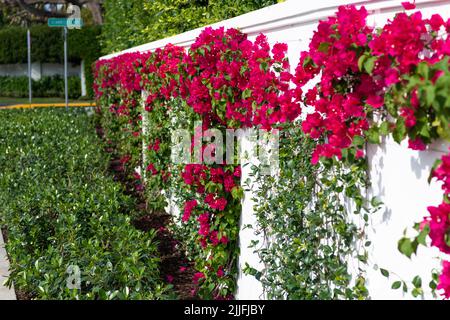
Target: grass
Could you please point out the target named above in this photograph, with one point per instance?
(7, 101)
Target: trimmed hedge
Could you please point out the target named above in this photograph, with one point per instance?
(17, 87)
(47, 46)
(61, 208)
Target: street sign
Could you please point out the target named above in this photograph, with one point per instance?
(65, 22)
(74, 21)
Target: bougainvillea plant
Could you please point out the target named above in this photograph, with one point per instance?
(373, 83)
(231, 82)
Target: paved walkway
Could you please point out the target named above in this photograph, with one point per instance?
(5, 292)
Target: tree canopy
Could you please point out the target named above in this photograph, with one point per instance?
(129, 23)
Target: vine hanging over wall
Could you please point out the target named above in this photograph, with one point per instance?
(307, 224)
(393, 81)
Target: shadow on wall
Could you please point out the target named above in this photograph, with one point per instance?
(394, 166)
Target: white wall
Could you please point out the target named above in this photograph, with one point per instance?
(399, 178)
(399, 175)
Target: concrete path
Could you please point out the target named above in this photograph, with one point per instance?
(5, 292)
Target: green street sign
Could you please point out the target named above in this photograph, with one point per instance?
(65, 22)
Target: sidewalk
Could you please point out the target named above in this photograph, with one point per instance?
(5, 292)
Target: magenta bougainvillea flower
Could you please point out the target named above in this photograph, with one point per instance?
(444, 280)
(439, 223)
(442, 173)
(188, 207)
(409, 5)
(416, 144)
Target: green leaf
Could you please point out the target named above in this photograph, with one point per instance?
(323, 47)
(358, 141)
(384, 272)
(432, 285)
(430, 92)
(447, 238)
(396, 285)
(237, 192)
(417, 282)
(369, 64)
(264, 66)
(417, 292)
(247, 93)
(407, 247)
(423, 69)
(361, 61)
(399, 132)
(375, 202)
(307, 61)
(405, 287)
(373, 136)
(384, 128)
(421, 238)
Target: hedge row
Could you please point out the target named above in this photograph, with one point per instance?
(17, 87)
(64, 213)
(47, 46)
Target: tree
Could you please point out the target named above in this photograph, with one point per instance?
(23, 11)
(132, 22)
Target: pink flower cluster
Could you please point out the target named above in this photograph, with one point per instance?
(195, 175)
(358, 67)
(442, 173)
(444, 279)
(238, 83)
(439, 222)
(339, 114)
(188, 207)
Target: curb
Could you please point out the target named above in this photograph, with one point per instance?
(5, 292)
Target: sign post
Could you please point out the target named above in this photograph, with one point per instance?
(65, 23)
(29, 65)
(66, 94)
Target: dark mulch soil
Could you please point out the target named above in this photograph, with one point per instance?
(175, 267)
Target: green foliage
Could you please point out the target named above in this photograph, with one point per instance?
(17, 87)
(60, 208)
(431, 82)
(47, 46)
(308, 222)
(131, 22)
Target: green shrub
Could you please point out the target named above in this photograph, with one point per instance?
(52, 86)
(47, 46)
(62, 209)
